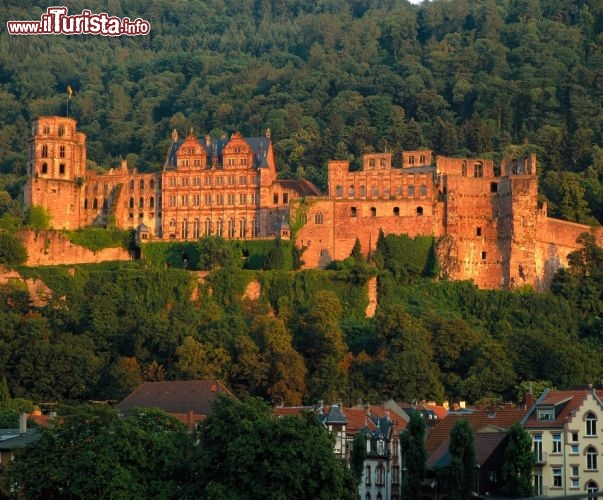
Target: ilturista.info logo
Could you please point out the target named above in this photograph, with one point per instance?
(56, 21)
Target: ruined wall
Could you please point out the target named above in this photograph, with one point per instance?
(50, 248)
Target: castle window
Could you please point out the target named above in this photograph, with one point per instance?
(152, 202)
(197, 163)
(478, 170)
(219, 227)
(382, 162)
(141, 184)
(196, 229)
(478, 231)
(255, 227)
(362, 191)
(132, 183)
(45, 151)
(411, 190)
(184, 200)
(419, 210)
(46, 130)
(61, 151)
(208, 199)
(220, 199)
(464, 169)
(208, 181)
(95, 204)
(196, 200)
(231, 199)
(141, 202)
(396, 211)
(61, 130)
(423, 190)
(484, 255)
(44, 168)
(493, 187)
(131, 205)
(243, 228)
(85, 203)
(422, 159)
(339, 190)
(219, 181)
(372, 163)
(243, 162)
(62, 169)
(243, 180)
(207, 227)
(411, 160)
(353, 212)
(351, 190)
(375, 191)
(318, 218)
(231, 180)
(275, 198)
(231, 228)
(373, 212)
(184, 230)
(285, 198)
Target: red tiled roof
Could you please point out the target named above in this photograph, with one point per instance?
(566, 403)
(181, 397)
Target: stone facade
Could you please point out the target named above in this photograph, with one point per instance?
(489, 226)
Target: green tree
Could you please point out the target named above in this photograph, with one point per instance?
(358, 456)
(5, 399)
(38, 218)
(461, 471)
(413, 456)
(243, 448)
(518, 463)
(12, 249)
(90, 452)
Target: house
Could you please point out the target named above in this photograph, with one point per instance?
(189, 401)
(567, 432)
(490, 427)
(14, 439)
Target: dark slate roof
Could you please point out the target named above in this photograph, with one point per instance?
(11, 439)
(335, 416)
(175, 397)
(260, 147)
(170, 161)
(301, 186)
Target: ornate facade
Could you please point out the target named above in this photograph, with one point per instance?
(489, 225)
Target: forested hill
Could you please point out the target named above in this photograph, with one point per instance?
(330, 78)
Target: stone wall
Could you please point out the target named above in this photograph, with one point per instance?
(51, 248)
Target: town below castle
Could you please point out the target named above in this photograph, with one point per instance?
(490, 228)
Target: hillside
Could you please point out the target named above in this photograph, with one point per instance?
(330, 79)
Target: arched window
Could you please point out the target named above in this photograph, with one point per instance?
(219, 227)
(353, 212)
(141, 184)
(396, 211)
(373, 212)
(131, 205)
(419, 210)
(592, 487)
(478, 170)
(318, 218)
(591, 458)
(152, 202)
(207, 226)
(131, 183)
(339, 190)
(44, 168)
(95, 204)
(591, 424)
(141, 202)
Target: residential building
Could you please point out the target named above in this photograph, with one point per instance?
(567, 432)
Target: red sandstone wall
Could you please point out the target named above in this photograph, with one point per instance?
(50, 248)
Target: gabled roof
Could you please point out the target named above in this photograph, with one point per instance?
(485, 444)
(182, 397)
(565, 405)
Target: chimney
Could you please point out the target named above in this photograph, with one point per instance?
(23, 423)
(529, 400)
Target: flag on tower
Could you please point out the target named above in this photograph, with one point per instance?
(69, 91)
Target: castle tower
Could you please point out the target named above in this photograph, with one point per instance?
(56, 169)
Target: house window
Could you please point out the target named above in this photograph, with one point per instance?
(231, 199)
(395, 474)
(46, 130)
(184, 230)
(575, 471)
(196, 200)
(353, 212)
(255, 227)
(339, 190)
(243, 180)
(367, 475)
(419, 210)
(373, 212)
(556, 443)
(208, 199)
(411, 160)
(591, 487)
(545, 414)
(591, 424)
(591, 458)
(422, 159)
(396, 211)
(382, 162)
(220, 199)
(44, 151)
(557, 478)
(318, 218)
(62, 169)
(380, 475)
(44, 168)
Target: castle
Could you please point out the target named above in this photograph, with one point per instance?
(490, 228)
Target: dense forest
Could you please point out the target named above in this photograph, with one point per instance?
(105, 328)
(330, 79)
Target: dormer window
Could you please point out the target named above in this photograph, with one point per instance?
(545, 414)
